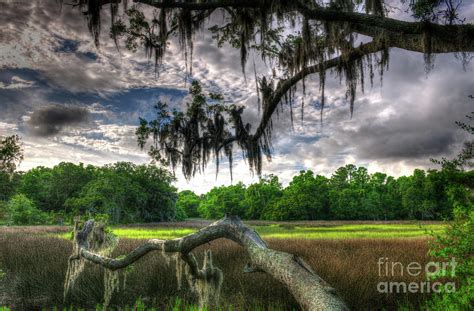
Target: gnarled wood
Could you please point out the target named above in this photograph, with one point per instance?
(311, 292)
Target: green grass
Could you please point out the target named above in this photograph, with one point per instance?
(352, 231)
(161, 233)
(347, 231)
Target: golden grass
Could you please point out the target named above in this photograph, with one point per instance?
(35, 267)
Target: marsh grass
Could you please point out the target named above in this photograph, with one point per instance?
(350, 231)
(304, 230)
(35, 267)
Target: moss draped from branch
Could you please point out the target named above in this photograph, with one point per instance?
(296, 38)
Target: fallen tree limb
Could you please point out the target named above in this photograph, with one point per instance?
(311, 292)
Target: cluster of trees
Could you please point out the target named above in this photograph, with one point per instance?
(123, 191)
(349, 194)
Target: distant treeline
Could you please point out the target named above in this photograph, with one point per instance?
(123, 191)
(349, 194)
(129, 193)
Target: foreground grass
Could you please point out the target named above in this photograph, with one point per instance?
(35, 266)
(343, 253)
(349, 231)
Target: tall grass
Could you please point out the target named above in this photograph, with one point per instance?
(35, 267)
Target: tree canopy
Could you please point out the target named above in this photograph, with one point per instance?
(295, 38)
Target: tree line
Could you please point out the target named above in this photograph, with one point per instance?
(351, 193)
(129, 193)
(123, 192)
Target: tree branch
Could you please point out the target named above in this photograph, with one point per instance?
(410, 36)
(311, 292)
(200, 6)
(285, 85)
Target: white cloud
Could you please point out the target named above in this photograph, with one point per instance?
(7, 129)
(17, 83)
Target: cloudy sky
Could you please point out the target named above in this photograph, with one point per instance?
(70, 101)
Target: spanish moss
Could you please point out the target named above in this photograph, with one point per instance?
(285, 35)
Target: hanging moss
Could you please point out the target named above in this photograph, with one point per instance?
(97, 239)
(191, 138)
(111, 285)
(76, 263)
(374, 7)
(74, 270)
(208, 285)
(179, 268)
(428, 48)
(208, 128)
(165, 255)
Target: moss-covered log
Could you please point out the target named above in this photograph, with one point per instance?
(311, 292)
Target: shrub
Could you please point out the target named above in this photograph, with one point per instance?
(457, 242)
(22, 211)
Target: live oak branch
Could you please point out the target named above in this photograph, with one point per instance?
(311, 292)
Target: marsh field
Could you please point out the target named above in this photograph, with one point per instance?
(345, 254)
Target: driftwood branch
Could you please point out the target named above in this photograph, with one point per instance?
(311, 292)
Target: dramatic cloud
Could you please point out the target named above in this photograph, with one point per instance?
(53, 80)
(51, 120)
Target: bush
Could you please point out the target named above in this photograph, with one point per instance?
(457, 242)
(22, 211)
